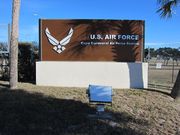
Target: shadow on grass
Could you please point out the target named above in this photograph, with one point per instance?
(25, 113)
(159, 91)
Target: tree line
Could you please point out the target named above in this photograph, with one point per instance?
(163, 52)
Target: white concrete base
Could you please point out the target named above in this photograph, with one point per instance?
(81, 74)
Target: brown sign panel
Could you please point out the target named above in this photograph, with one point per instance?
(92, 40)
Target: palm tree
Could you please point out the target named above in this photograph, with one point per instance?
(166, 7)
(14, 44)
(166, 10)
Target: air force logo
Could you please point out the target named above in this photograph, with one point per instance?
(59, 45)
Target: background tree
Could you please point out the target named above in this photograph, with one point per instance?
(166, 10)
(27, 57)
(14, 44)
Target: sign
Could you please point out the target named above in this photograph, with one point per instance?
(91, 40)
(98, 93)
(158, 65)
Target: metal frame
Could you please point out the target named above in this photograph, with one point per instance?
(143, 42)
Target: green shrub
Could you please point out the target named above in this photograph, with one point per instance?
(26, 62)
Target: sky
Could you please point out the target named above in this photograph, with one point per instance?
(159, 32)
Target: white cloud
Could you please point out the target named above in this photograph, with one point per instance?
(165, 44)
(35, 14)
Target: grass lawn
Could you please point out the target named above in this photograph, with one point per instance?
(35, 110)
(164, 77)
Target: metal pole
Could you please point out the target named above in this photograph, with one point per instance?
(173, 72)
(9, 37)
